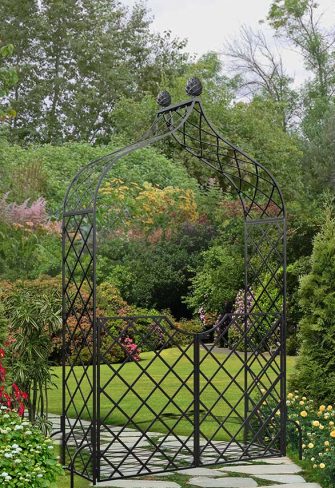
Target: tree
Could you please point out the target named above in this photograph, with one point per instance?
(262, 72)
(217, 280)
(299, 22)
(8, 78)
(315, 370)
(26, 96)
(75, 59)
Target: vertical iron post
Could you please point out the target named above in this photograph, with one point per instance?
(62, 426)
(94, 362)
(196, 391)
(246, 399)
(283, 413)
(98, 325)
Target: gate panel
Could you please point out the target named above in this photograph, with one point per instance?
(147, 406)
(78, 343)
(236, 420)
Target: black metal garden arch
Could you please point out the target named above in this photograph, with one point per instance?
(198, 424)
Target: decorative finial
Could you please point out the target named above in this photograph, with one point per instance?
(194, 87)
(164, 99)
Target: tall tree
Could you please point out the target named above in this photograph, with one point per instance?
(8, 79)
(76, 58)
(315, 371)
(261, 72)
(299, 22)
(19, 24)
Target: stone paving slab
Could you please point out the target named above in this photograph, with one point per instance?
(275, 460)
(259, 469)
(228, 482)
(117, 440)
(138, 484)
(202, 472)
(297, 485)
(282, 478)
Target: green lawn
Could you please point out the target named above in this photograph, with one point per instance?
(113, 409)
(64, 482)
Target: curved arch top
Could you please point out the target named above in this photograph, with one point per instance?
(188, 125)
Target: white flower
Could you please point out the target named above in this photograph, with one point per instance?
(8, 455)
(28, 432)
(18, 427)
(4, 474)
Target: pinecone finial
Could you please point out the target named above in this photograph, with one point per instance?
(164, 99)
(194, 87)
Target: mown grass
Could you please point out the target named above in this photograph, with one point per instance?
(64, 482)
(130, 374)
(117, 403)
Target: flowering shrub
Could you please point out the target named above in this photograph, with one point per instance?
(236, 330)
(132, 349)
(318, 429)
(10, 397)
(26, 457)
(29, 216)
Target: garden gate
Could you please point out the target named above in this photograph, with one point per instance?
(206, 405)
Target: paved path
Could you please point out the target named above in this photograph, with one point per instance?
(275, 472)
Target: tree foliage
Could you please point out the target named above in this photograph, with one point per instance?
(261, 71)
(315, 372)
(8, 79)
(75, 59)
(217, 280)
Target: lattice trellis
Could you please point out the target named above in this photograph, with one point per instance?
(198, 424)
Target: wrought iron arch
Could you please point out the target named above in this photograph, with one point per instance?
(95, 449)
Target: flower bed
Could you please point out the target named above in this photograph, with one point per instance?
(318, 430)
(26, 456)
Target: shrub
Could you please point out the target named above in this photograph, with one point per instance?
(26, 456)
(194, 326)
(154, 274)
(27, 253)
(317, 424)
(217, 280)
(318, 430)
(315, 370)
(33, 311)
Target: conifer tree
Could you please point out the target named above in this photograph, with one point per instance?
(315, 372)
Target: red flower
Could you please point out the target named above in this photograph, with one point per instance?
(2, 373)
(15, 399)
